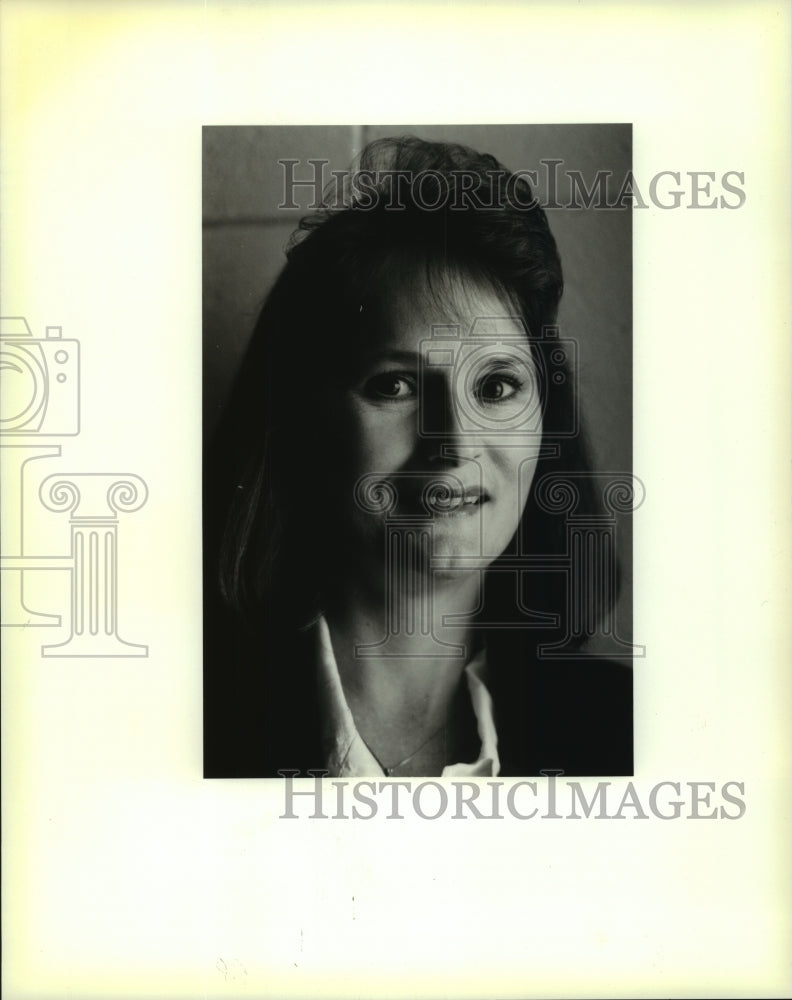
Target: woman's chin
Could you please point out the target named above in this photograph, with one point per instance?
(440, 548)
(454, 555)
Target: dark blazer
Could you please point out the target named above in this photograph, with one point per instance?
(261, 713)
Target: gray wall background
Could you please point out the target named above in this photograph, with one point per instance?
(244, 233)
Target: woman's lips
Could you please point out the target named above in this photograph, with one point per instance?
(460, 506)
(415, 495)
(442, 499)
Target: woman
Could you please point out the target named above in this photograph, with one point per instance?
(389, 571)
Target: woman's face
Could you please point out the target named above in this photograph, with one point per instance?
(443, 419)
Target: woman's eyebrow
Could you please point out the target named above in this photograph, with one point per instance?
(403, 357)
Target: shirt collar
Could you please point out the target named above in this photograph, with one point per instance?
(346, 754)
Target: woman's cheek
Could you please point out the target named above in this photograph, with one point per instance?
(384, 443)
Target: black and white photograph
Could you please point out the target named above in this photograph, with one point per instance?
(417, 475)
(395, 553)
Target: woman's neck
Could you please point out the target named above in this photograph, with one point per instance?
(400, 662)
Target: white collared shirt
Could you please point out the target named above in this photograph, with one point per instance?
(346, 753)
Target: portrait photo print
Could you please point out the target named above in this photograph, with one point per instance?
(417, 471)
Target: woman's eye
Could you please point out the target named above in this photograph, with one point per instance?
(390, 386)
(496, 388)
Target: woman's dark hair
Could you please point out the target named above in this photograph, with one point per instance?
(436, 209)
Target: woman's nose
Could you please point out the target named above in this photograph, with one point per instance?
(446, 438)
